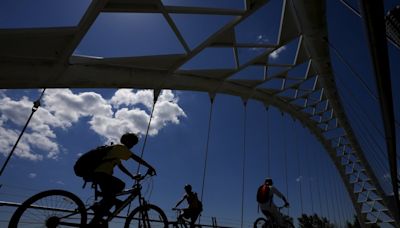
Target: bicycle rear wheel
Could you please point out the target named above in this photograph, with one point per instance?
(51, 209)
(147, 216)
(261, 223)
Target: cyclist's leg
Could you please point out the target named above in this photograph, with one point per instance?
(194, 215)
(109, 186)
(276, 215)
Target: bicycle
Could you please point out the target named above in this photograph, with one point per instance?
(269, 221)
(180, 221)
(60, 208)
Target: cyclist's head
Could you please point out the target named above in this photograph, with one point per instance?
(269, 181)
(188, 188)
(129, 139)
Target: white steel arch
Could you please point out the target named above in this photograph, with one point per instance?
(43, 58)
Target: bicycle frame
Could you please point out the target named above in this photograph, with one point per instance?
(134, 192)
(182, 222)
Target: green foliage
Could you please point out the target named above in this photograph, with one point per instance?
(356, 224)
(314, 221)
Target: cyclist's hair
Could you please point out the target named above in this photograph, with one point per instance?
(129, 138)
(269, 181)
(188, 187)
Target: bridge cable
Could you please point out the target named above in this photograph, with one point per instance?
(337, 197)
(357, 103)
(269, 144)
(207, 146)
(377, 154)
(308, 170)
(300, 177)
(356, 12)
(35, 107)
(285, 161)
(319, 184)
(332, 193)
(244, 159)
(353, 71)
(361, 123)
(325, 185)
(156, 93)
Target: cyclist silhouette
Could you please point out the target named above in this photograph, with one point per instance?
(103, 174)
(268, 208)
(194, 206)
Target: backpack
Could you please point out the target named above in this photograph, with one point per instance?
(197, 203)
(86, 164)
(263, 193)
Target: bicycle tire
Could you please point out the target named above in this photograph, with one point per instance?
(261, 223)
(47, 208)
(148, 215)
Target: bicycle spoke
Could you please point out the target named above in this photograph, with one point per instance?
(146, 217)
(54, 208)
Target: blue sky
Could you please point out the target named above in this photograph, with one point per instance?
(71, 121)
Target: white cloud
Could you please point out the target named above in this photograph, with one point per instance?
(299, 178)
(32, 175)
(262, 39)
(61, 108)
(275, 54)
(60, 182)
(128, 97)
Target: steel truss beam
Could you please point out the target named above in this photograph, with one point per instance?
(37, 58)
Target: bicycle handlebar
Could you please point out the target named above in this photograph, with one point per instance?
(139, 177)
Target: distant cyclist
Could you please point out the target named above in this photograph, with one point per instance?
(195, 206)
(265, 196)
(103, 174)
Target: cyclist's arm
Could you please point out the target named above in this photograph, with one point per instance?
(124, 170)
(177, 204)
(142, 162)
(279, 194)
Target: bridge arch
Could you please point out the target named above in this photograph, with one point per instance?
(311, 98)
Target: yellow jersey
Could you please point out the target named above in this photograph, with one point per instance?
(117, 153)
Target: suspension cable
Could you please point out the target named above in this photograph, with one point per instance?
(359, 106)
(331, 193)
(156, 93)
(308, 170)
(319, 191)
(325, 185)
(35, 107)
(300, 177)
(269, 144)
(353, 71)
(285, 161)
(244, 159)
(336, 191)
(212, 96)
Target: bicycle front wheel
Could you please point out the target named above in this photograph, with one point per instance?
(261, 223)
(147, 216)
(51, 209)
